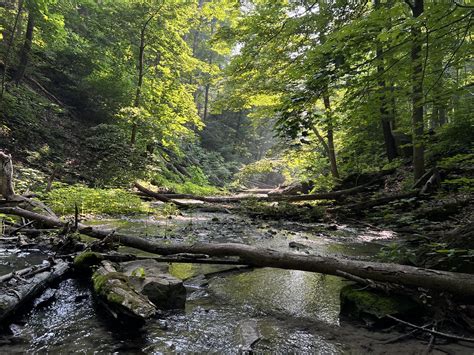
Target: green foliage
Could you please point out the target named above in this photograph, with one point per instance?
(283, 210)
(263, 172)
(463, 184)
(62, 200)
(397, 253)
(360, 302)
(28, 180)
(458, 161)
(115, 162)
(187, 187)
(169, 209)
(85, 261)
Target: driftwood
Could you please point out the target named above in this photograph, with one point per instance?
(270, 198)
(443, 281)
(14, 297)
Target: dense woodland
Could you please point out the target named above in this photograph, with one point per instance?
(308, 111)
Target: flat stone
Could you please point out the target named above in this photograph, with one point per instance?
(164, 290)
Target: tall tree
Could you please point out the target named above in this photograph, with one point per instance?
(26, 48)
(417, 8)
(385, 117)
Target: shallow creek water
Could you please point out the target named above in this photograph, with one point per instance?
(292, 311)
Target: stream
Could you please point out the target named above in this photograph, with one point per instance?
(289, 311)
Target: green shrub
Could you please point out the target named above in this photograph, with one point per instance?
(93, 201)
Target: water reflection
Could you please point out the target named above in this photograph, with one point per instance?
(289, 307)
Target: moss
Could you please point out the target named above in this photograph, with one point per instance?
(357, 303)
(115, 298)
(103, 288)
(86, 260)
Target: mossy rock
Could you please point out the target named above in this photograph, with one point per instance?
(357, 303)
(84, 262)
(123, 302)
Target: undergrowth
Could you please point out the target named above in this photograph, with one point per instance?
(62, 200)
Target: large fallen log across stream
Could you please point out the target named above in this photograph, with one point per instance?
(270, 198)
(443, 281)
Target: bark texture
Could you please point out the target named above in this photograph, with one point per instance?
(417, 93)
(6, 176)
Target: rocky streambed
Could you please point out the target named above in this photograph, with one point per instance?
(226, 310)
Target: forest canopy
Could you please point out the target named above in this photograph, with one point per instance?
(153, 88)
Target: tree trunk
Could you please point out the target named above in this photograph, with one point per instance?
(13, 298)
(417, 93)
(273, 198)
(206, 101)
(9, 48)
(6, 176)
(389, 140)
(208, 85)
(26, 49)
(442, 281)
(330, 137)
(141, 65)
(439, 106)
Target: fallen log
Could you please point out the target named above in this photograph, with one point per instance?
(171, 259)
(158, 196)
(442, 281)
(14, 297)
(424, 178)
(364, 205)
(269, 198)
(433, 182)
(164, 198)
(25, 272)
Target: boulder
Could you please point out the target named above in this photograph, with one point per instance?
(374, 305)
(151, 279)
(121, 300)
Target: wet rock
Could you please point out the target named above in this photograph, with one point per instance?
(151, 279)
(199, 281)
(47, 298)
(248, 334)
(84, 262)
(119, 297)
(374, 306)
(164, 291)
(296, 245)
(150, 267)
(80, 298)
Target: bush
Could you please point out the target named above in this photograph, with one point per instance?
(93, 201)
